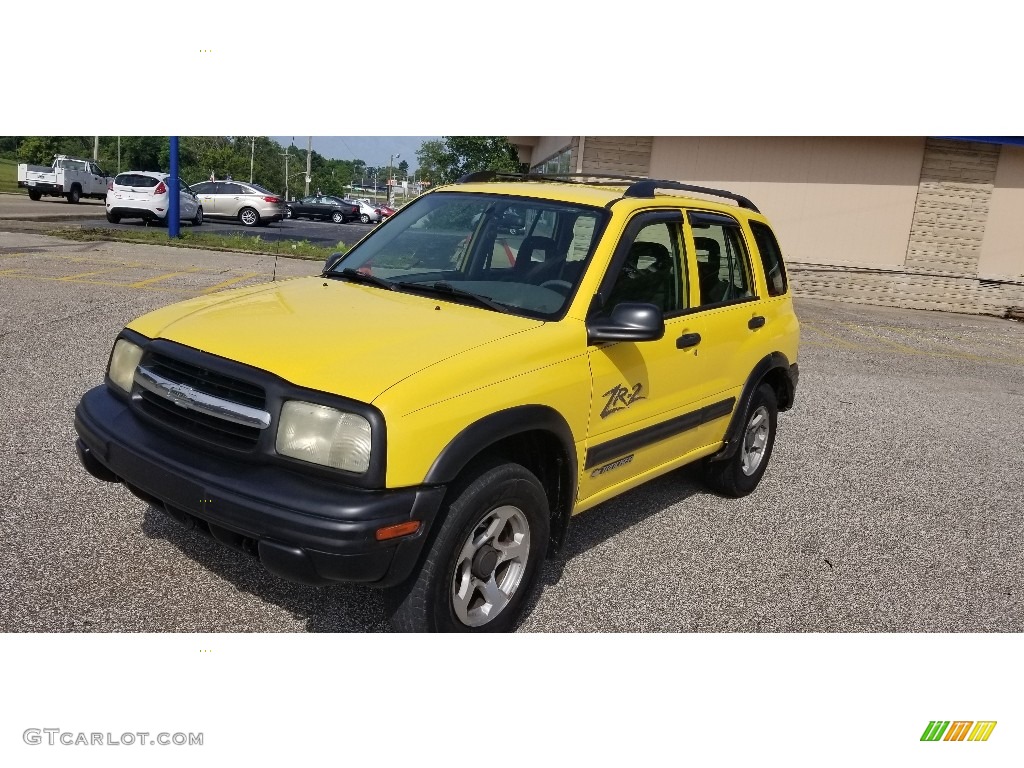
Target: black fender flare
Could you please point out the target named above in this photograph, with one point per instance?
(776, 360)
(493, 428)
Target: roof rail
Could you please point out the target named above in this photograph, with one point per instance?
(640, 187)
(606, 179)
(647, 187)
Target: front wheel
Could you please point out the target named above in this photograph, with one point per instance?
(197, 220)
(485, 559)
(249, 217)
(739, 475)
(35, 195)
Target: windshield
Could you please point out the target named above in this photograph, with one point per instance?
(526, 256)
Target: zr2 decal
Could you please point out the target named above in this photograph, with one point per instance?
(620, 398)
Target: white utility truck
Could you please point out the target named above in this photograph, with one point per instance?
(66, 177)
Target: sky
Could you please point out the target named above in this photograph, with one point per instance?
(372, 150)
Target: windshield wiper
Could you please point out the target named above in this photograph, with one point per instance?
(447, 289)
(361, 277)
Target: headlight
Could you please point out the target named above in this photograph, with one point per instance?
(323, 435)
(123, 362)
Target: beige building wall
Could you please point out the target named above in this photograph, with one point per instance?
(832, 200)
(899, 221)
(1002, 249)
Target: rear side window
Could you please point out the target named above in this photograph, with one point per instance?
(723, 265)
(771, 258)
(230, 189)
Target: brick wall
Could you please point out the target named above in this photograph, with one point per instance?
(953, 199)
(627, 155)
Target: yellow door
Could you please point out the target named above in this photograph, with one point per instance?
(641, 414)
(728, 313)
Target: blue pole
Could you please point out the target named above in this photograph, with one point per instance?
(174, 206)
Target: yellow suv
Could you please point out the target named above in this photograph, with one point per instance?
(428, 413)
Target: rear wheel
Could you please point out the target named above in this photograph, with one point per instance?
(337, 217)
(365, 219)
(485, 559)
(34, 195)
(739, 475)
(113, 218)
(250, 217)
(75, 194)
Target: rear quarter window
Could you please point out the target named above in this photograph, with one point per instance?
(771, 258)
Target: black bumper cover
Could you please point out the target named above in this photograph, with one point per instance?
(302, 527)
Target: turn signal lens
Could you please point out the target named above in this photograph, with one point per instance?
(394, 531)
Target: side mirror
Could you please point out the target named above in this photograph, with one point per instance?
(628, 322)
(332, 262)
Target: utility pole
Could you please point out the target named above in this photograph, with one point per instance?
(285, 153)
(309, 159)
(252, 158)
(391, 198)
(118, 154)
(96, 149)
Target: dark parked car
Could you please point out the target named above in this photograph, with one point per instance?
(323, 207)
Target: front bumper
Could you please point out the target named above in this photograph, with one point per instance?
(304, 528)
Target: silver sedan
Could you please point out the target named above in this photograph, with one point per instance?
(251, 204)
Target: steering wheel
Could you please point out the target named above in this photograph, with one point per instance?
(562, 286)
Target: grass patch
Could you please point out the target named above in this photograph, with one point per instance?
(9, 176)
(299, 249)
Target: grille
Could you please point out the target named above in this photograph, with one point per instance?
(211, 383)
(203, 426)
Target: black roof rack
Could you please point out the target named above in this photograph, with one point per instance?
(640, 186)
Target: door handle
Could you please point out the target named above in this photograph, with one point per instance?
(688, 340)
(755, 322)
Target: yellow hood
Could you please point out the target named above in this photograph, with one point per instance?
(330, 335)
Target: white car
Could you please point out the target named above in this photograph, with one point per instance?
(143, 195)
(367, 212)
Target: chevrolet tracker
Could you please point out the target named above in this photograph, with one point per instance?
(428, 413)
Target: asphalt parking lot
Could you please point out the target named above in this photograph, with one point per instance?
(893, 502)
(91, 214)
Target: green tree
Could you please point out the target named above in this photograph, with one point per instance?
(431, 159)
(455, 156)
(39, 150)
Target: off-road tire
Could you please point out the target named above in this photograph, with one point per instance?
(425, 603)
(728, 477)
